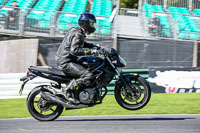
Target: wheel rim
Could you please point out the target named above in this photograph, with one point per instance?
(41, 107)
(139, 99)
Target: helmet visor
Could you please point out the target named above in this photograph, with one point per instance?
(92, 24)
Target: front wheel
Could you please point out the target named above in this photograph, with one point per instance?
(126, 100)
(41, 109)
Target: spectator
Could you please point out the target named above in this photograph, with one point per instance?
(13, 17)
(154, 25)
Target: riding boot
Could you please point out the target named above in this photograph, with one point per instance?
(68, 92)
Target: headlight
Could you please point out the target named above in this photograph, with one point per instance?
(122, 61)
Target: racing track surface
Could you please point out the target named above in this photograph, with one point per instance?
(106, 124)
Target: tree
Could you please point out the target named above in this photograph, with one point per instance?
(129, 4)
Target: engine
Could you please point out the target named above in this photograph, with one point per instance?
(87, 95)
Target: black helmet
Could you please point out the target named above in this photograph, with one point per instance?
(87, 21)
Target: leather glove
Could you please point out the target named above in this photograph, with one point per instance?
(96, 52)
(97, 46)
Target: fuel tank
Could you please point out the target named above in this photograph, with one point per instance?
(90, 61)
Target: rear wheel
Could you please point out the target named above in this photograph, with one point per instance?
(126, 100)
(41, 109)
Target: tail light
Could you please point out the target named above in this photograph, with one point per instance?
(27, 74)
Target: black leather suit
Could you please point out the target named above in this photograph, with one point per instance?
(73, 46)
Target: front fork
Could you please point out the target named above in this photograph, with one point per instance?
(132, 90)
(126, 85)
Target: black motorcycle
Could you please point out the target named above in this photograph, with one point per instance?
(46, 102)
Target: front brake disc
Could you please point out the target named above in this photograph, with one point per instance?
(129, 97)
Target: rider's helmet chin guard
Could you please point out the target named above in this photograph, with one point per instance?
(87, 22)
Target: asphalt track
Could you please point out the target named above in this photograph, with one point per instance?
(106, 124)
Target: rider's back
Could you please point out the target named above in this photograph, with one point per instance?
(63, 54)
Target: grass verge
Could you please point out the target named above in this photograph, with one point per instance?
(187, 103)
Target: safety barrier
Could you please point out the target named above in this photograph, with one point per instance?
(10, 83)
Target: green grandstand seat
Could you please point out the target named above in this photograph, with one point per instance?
(185, 22)
(22, 4)
(166, 25)
(62, 18)
(148, 14)
(194, 28)
(183, 10)
(44, 24)
(176, 16)
(194, 36)
(4, 12)
(165, 33)
(104, 8)
(196, 11)
(71, 6)
(1, 2)
(182, 27)
(152, 8)
(182, 35)
(105, 30)
(149, 9)
(62, 26)
(172, 9)
(158, 8)
(44, 17)
(36, 16)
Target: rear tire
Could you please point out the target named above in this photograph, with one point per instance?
(143, 96)
(41, 109)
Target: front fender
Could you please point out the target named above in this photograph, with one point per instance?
(127, 77)
(131, 76)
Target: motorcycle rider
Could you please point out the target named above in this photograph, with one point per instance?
(73, 45)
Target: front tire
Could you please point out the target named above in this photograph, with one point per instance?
(142, 97)
(41, 109)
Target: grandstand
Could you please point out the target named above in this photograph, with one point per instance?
(179, 20)
(23, 4)
(54, 17)
(71, 6)
(103, 8)
(149, 9)
(185, 25)
(51, 18)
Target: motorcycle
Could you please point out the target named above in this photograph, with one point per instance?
(46, 102)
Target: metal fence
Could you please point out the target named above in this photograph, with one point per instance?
(32, 22)
(178, 3)
(128, 12)
(174, 26)
(10, 83)
(154, 2)
(196, 4)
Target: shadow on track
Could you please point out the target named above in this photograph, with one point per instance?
(131, 119)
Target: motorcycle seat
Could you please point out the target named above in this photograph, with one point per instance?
(48, 70)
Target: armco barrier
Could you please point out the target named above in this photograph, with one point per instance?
(10, 83)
